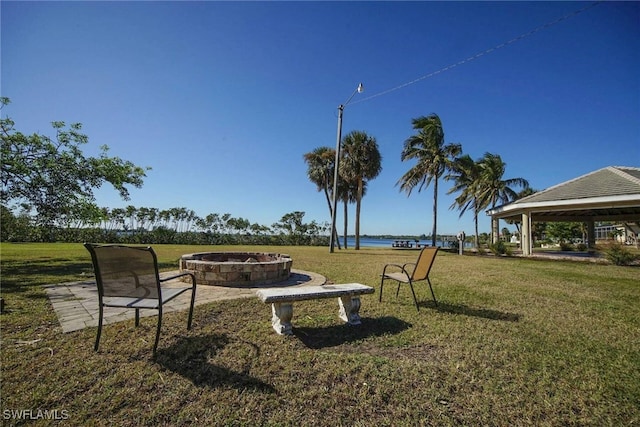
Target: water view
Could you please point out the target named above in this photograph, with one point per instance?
(372, 242)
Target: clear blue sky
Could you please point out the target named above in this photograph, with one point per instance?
(222, 99)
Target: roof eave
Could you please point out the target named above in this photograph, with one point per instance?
(622, 201)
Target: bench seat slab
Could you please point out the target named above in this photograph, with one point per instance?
(312, 292)
(282, 300)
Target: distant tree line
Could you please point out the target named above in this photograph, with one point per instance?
(151, 225)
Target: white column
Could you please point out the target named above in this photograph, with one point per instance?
(525, 238)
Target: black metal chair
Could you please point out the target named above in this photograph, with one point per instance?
(420, 271)
(127, 276)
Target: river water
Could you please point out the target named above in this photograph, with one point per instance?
(370, 242)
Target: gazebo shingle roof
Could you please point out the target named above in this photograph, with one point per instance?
(605, 182)
(611, 193)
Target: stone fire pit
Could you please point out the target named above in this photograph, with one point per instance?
(236, 269)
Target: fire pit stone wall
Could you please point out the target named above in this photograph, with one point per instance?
(237, 269)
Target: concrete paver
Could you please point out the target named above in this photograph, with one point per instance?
(76, 303)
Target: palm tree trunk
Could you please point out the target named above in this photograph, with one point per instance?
(358, 205)
(346, 222)
(477, 236)
(435, 212)
(497, 234)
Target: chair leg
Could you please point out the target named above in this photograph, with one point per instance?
(101, 310)
(193, 301)
(398, 290)
(381, 285)
(155, 345)
(432, 294)
(415, 300)
(137, 317)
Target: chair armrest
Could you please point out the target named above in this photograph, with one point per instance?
(408, 263)
(175, 276)
(401, 267)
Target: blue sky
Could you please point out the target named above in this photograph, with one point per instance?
(222, 99)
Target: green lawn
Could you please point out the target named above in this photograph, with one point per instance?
(513, 342)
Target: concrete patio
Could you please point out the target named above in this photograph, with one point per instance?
(76, 303)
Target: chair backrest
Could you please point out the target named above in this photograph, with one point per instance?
(424, 263)
(125, 271)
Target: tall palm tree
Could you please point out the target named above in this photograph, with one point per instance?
(361, 162)
(347, 192)
(320, 163)
(433, 157)
(465, 173)
(492, 188)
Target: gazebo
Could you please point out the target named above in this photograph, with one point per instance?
(607, 194)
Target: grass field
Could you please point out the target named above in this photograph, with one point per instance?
(513, 342)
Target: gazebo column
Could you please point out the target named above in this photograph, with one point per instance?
(591, 234)
(495, 237)
(525, 238)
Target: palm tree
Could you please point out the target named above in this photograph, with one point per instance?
(117, 216)
(361, 162)
(131, 212)
(433, 156)
(106, 219)
(465, 173)
(492, 188)
(142, 215)
(320, 171)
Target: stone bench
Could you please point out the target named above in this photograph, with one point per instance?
(282, 300)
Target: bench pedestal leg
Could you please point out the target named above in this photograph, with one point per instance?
(349, 309)
(281, 318)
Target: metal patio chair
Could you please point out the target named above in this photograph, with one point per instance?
(405, 274)
(127, 276)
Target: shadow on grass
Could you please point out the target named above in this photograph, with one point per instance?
(475, 312)
(194, 358)
(20, 276)
(332, 336)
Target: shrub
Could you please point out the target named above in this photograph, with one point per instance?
(619, 255)
(581, 247)
(498, 248)
(566, 246)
